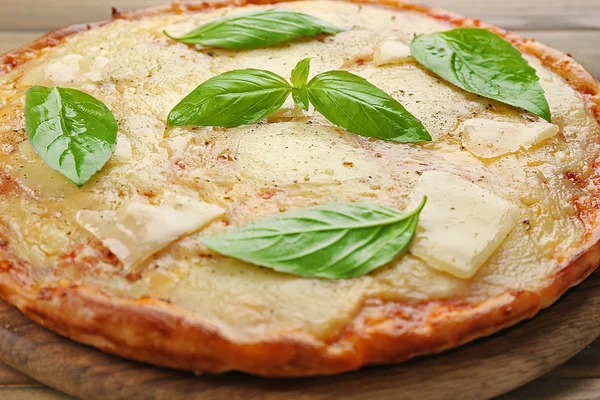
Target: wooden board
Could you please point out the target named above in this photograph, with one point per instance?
(483, 369)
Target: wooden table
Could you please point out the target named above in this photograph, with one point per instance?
(569, 25)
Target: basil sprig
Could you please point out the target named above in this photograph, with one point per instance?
(249, 95)
(258, 29)
(481, 62)
(332, 241)
(74, 133)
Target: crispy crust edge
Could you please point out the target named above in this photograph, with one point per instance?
(381, 332)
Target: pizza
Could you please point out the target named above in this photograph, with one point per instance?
(149, 257)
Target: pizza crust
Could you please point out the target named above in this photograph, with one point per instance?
(381, 331)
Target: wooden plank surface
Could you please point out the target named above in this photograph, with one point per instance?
(577, 379)
(571, 26)
(31, 393)
(12, 377)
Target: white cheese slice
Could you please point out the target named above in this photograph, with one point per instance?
(65, 70)
(96, 68)
(391, 51)
(123, 148)
(461, 225)
(73, 70)
(137, 230)
(487, 138)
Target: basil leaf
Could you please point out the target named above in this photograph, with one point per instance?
(299, 78)
(231, 99)
(258, 29)
(74, 133)
(336, 240)
(481, 62)
(300, 72)
(351, 102)
(300, 96)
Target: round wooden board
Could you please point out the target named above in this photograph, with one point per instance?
(482, 369)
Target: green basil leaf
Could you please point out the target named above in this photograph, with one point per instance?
(300, 72)
(481, 62)
(299, 78)
(74, 133)
(351, 102)
(232, 99)
(300, 96)
(335, 240)
(258, 29)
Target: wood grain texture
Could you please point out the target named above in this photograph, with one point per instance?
(563, 389)
(31, 393)
(578, 378)
(584, 365)
(483, 369)
(12, 377)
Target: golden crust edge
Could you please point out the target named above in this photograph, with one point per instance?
(122, 327)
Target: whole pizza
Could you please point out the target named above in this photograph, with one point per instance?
(293, 188)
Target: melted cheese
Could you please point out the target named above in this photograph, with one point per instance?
(391, 51)
(136, 230)
(123, 150)
(294, 159)
(461, 224)
(488, 138)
